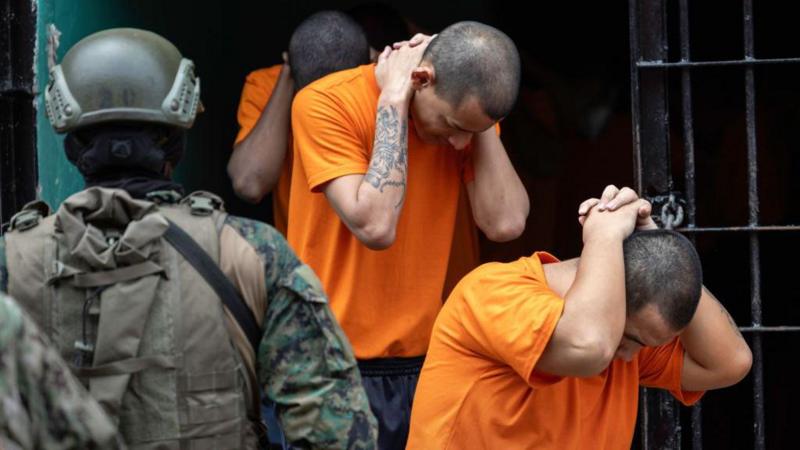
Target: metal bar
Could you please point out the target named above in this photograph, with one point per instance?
(633, 34)
(656, 177)
(5, 46)
(688, 117)
(664, 425)
(756, 228)
(689, 174)
(697, 426)
(763, 329)
(753, 206)
(663, 418)
(758, 393)
(728, 63)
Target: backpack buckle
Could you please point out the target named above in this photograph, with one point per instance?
(202, 206)
(25, 220)
(84, 354)
(30, 216)
(202, 203)
(161, 197)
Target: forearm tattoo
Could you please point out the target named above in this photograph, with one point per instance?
(389, 164)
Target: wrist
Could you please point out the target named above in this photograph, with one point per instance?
(286, 73)
(398, 98)
(603, 237)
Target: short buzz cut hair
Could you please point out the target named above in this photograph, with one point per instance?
(662, 268)
(326, 42)
(473, 59)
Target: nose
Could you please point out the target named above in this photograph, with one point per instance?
(460, 141)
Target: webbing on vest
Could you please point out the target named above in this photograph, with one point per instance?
(199, 259)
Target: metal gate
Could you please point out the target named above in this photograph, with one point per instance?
(656, 72)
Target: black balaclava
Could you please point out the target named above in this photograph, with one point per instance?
(132, 157)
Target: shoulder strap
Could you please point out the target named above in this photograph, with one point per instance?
(209, 270)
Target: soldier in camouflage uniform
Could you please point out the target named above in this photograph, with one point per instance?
(127, 136)
(41, 403)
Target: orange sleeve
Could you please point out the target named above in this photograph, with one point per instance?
(468, 167)
(256, 92)
(661, 367)
(512, 321)
(325, 139)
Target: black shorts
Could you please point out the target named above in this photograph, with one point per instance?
(390, 384)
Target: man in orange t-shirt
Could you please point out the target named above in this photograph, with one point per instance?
(374, 193)
(543, 354)
(323, 43)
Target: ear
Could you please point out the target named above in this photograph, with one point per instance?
(423, 76)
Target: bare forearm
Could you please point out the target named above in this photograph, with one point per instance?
(593, 319)
(501, 203)
(256, 162)
(370, 205)
(596, 300)
(382, 190)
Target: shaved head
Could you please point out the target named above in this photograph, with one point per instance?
(662, 268)
(326, 42)
(473, 59)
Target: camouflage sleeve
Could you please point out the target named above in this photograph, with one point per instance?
(306, 363)
(42, 405)
(3, 266)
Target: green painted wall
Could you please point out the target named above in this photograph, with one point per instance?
(57, 177)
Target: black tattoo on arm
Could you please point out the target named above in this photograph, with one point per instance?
(389, 164)
(730, 319)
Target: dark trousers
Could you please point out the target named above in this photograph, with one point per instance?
(390, 384)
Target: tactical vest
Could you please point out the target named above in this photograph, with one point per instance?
(142, 329)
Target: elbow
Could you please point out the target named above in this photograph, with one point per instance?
(739, 366)
(376, 236)
(250, 181)
(736, 366)
(248, 187)
(506, 230)
(248, 190)
(592, 355)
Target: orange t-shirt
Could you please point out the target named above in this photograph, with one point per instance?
(256, 92)
(464, 251)
(386, 301)
(479, 390)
